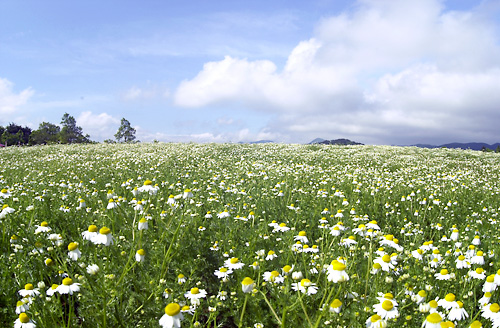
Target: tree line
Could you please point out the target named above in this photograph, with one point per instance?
(67, 133)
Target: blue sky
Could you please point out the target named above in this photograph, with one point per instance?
(374, 71)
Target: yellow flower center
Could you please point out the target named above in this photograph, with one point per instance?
(336, 303)
(148, 182)
(180, 276)
(172, 309)
(287, 268)
(28, 287)
(72, 246)
(141, 252)
(434, 318)
(302, 233)
(143, 220)
(386, 258)
(44, 224)
(67, 281)
(460, 304)
(338, 266)
(444, 272)
(305, 282)
(49, 262)
(479, 270)
(19, 303)
(375, 318)
(92, 228)
(389, 296)
(23, 317)
(436, 251)
(247, 281)
(422, 293)
(54, 286)
(480, 253)
(387, 305)
(111, 200)
(494, 307)
(195, 290)
(234, 260)
(476, 324)
(450, 297)
(270, 253)
(377, 266)
(461, 257)
(433, 304)
(104, 231)
(223, 270)
(274, 273)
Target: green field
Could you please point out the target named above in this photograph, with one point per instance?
(354, 236)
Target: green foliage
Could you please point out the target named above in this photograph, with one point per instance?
(70, 132)
(47, 133)
(14, 134)
(125, 133)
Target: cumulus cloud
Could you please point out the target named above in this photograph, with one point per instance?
(385, 72)
(98, 126)
(10, 101)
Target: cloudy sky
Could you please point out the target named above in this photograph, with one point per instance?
(374, 71)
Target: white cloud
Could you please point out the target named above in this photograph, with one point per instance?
(386, 72)
(98, 126)
(10, 101)
(136, 93)
(243, 135)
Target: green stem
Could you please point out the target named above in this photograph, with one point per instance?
(104, 311)
(304, 309)
(272, 310)
(243, 311)
(283, 317)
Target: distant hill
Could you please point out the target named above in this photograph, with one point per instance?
(343, 142)
(261, 141)
(467, 145)
(317, 140)
(256, 142)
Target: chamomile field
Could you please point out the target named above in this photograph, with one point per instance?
(219, 235)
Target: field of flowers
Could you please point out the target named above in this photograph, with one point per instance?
(188, 235)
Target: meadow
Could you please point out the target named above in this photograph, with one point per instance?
(226, 235)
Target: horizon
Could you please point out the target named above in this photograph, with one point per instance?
(376, 72)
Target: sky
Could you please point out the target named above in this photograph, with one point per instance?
(374, 71)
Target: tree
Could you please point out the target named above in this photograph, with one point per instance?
(125, 132)
(46, 133)
(70, 132)
(14, 134)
